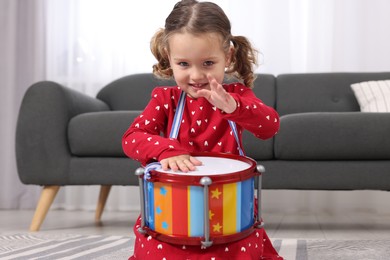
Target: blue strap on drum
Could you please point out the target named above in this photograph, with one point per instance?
(235, 133)
(150, 167)
(178, 116)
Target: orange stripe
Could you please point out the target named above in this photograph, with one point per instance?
(216, 209)
(163, 208)
(180, 210)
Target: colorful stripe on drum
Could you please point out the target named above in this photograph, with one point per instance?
(178, 210)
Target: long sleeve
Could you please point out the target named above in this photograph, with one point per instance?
(146, 139)
(252, 114)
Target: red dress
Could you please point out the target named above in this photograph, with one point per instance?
(255, 246)
(203, 128)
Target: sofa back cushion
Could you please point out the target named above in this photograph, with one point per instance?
(131, 92)
(99, 134)
(264, 88)
(320, 92)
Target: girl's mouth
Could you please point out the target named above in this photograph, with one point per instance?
(198, 86)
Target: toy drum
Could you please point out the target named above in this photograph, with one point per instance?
(214, 204)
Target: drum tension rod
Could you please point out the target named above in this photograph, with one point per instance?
(261, 170)
(206, 181)
(140, 171)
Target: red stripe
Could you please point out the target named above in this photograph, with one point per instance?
(216, 207)
(179, 210)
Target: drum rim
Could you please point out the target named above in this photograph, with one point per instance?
(193, 241)
(194, 180)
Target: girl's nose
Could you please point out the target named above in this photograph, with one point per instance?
(197, 74)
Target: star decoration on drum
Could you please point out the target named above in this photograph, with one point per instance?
(163, 191)
(211, 215)
(217, 227)
(164, 225)
(215, 193)
(150, 186)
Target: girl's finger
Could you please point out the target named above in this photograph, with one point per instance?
(190, 165)
(212, 81)
(173, 166)
(195, 161)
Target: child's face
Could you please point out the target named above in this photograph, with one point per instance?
(193, 57)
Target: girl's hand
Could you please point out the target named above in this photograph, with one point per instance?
(218, 96)
(184, 163)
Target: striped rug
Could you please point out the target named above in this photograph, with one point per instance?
(333, 249)
(69, 246)
(64, 246)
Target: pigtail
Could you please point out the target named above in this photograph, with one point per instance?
(243, 60)
(162, 68)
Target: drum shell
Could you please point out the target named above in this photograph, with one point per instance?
(174, 205)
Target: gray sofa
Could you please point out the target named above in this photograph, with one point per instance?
(64, 137)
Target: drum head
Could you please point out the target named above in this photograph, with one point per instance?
(214, 166)
(218, 166)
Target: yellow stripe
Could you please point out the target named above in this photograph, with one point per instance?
(229, 208)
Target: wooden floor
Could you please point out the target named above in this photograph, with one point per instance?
(304, 225)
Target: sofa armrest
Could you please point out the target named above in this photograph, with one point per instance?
(42, 150)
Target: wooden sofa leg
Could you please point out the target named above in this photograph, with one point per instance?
(103, 195)
(47, 196)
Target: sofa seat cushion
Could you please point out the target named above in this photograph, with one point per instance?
(99, 133)
(333, 136)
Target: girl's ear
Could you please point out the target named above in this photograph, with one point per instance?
(229, 56)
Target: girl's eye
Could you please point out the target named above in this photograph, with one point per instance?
(183, 64)
(208, 63)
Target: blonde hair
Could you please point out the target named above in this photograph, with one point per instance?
(204, 17)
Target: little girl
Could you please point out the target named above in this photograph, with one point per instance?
(197, 49)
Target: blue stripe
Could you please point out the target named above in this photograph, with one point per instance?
(239, 206)
(150, 205)
(252, 189)
(247, 200)
(146, 200)
(196, 211)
